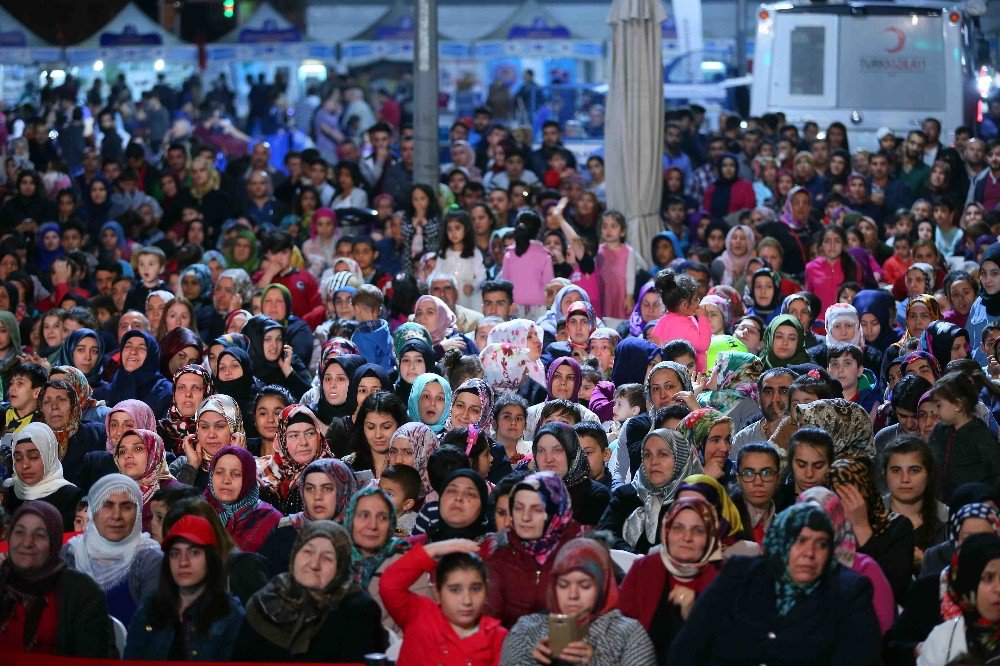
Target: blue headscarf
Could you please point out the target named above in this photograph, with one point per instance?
(632, 357)
(214, 255)
(43, 257)
(413, 404)
(778, 540)
(882, 305)
(117, 228)
(204, 275)
(69, 346)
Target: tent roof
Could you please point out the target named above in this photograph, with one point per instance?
(131, 27)
(13, 33)
(266, 24)
(395, 23)
(530, 21)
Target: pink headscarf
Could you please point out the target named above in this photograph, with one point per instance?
(445, 322)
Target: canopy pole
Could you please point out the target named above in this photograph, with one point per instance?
(425, 94)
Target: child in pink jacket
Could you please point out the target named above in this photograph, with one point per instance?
(685, 318)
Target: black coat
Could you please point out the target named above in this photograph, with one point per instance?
(590, 498)
(84, 628)
(921, 613)
(624, 500)
(348, 633)
(277, 549)
(893, 551)
(95, 465)
(735, 621)
(90, 437)
(64, 500)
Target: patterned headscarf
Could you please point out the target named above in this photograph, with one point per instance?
(225, 405)
(156, 462)
(175, 425)
(83, 390)
(444, 323)
(578, 468)
(982, 510)
(846, 422)
(652, 497)
(63, 435)
(593, 559)
(363, 567)
(848, 312)
(343, 479)
(424, 444)
(767, 345)
(782, 533)
(407, 331)
(485, 394)
(413, 404)
(927, 356)
(737, 377)
(283, 472)
(933, 307)
(577, 376)
(505, 366)
(730, 522)
(558, 509)
(855, 473)
(204, 275)
(964, 577)
(697, 425)
(140, 413)
(686, 571)
(724, 306)
(683, 376)
(845, 545)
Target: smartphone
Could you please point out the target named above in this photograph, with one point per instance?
(563, 630)
(364, 477)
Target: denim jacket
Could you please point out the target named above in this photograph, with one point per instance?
(146, 642)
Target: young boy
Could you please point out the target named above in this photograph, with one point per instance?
(402, 484)
(845, 363)
(900, 261)
(307, 304)
(372, 334)
(25, 382)
(148, 263)
(510, 416)
(594, 442)
(451, 628)
(680, 351)
(82, 515)
(629, 401)
(366, 254)
(947, 235)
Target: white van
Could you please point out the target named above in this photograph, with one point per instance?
(866, 64)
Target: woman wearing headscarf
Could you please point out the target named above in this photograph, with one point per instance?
(313, 612)
(274, 361)
(242, 251)
(235, 379)
(234, 492)
(661, 588)
(192, 384)
(523, 334)
(885, 537)
(90, 409)
(556, 448)
(113, 550)
(138, 377)
(633, 359)
(326, 488)
(562, 380)
(461, 507)
(28, 202)
(374, 544)
(180, 347)
(10, 352)
(412, 444)
(45, 607)
(433, 408)
(974, 631)
(806, 312)
(196, 284)
(416, 357)
(843, 325)
(784, 343)
(139, 455)
(732, 387)
(729, 193)
(37, 473)
(648, 308)
(945, 341)
(435, 315)
(218, 424)
(876, 311)
(95, 209)
(793, 605)
(300, 441)
(506, 370)
(633, 514)
(731, 266)
(846, 422)
(59, 407)
(612, 638)
(986, 308)
(337, 404)
(529, 546)
(765, 297)
(276, 303)
(710, 433)
(735, 539)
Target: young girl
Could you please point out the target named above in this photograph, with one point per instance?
(421, 225)
(616, 267)
(452, 628)
(430, 401)
(582, 264)
(528, 265)
(323, 235)
(832, 267)
(460, 257)
(684, 319)
(964, 447)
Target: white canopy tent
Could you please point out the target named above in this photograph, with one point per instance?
(391, 38)
(133, 37)
(267, 35)
(20, 46)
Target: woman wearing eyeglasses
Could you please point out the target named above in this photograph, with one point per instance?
(757, 467)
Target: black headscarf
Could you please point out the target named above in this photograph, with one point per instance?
(440, 530)
(723, 189)
(369, 370)
(991, 303)
(255, 329)
(244, 389)
(420, 346)
(323, 410)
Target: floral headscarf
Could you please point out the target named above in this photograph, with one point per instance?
(444, 323)
(156, 462)
(140, 413)
(697, 425)
(646, 516)
(413, 404)
(592, 558)
(855, 473)
(846, 422)
(964, 577)
(282, 473)
(174, 425)
(848, 312)
(515, 332)
(767, 344)
(343, 479)
(505, 366)
(916, 355)
(63, 435)
(845, 545)
(686, 571)
(485, 395)
(933, 307)
(406, 331)
(204, 275)
(784, 530)
(83, 390)
(737, 377)
(723, 305)
(363, 567)
(558, 508)
(786, 215)
(730, 522)
(424, 444)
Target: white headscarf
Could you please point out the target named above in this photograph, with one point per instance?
(843, 311)
(108, 562)
(52, 480)
(515, 332)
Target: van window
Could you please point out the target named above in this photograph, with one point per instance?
(806, 72)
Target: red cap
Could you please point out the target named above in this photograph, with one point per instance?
(195, 529)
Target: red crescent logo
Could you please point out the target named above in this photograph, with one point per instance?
(900, 40)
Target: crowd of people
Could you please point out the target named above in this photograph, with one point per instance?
(323, 412)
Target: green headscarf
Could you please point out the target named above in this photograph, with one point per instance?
(781, 534)
(406, 331)
(800, 355)
(364, 567)
(288, 300)
(253, 262)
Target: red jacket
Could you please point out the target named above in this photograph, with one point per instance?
(428, 637)
(307, 304)
(513, 590)
(741, 196)
(642, 589)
